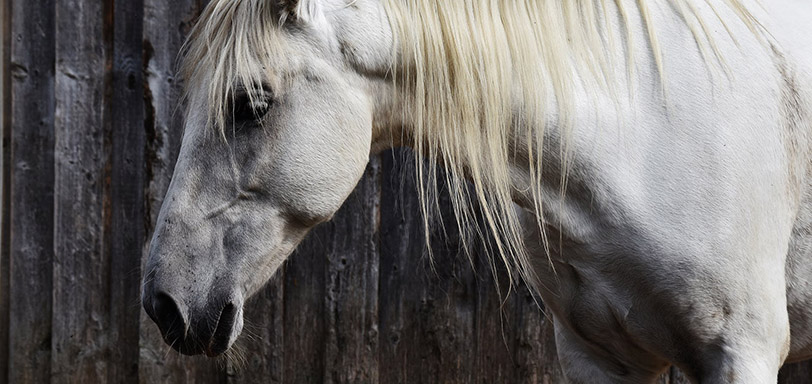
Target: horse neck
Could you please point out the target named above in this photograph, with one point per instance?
(390, 126)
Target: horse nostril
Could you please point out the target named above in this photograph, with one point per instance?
(193, 331)
(222, 335)
(169, 318)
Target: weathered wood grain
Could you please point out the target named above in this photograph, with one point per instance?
(426, 310)
(495, 330)
(535, 354)
(127, 225)
(32, 195)
(351, 298)
(81, 267)
(260, 353)
(447, 305)
(401, 234)
(304, 310)
(5, 185)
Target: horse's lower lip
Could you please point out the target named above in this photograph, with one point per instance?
(186, 347)
(217, 347)
(191, 347)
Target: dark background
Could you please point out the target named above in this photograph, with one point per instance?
(90, 135)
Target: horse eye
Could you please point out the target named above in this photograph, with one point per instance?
(245, 111)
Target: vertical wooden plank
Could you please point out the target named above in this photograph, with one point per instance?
(448, 307)
(427, 313)
(165, 25)
(536, 358)
(81, 301)
(330, 300)
(304, 326)
(259, 353)
(330, 295)
(402, 241)
(5, 185)
(32, 195)
(351, 354)
(127, 235)
(495, 327)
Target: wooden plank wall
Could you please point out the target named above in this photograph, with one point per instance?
(90, 134)
(5, 180)
(31, 212)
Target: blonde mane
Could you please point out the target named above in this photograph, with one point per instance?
(462, 65)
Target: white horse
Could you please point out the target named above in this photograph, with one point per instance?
(658, 151)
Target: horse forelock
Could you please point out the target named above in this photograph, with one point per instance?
(236, 46)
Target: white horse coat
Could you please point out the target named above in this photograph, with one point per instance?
(677, 227)
(683, 235)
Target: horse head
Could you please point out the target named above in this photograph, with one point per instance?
(282, 104)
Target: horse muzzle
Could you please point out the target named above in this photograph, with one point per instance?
(209, 329)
